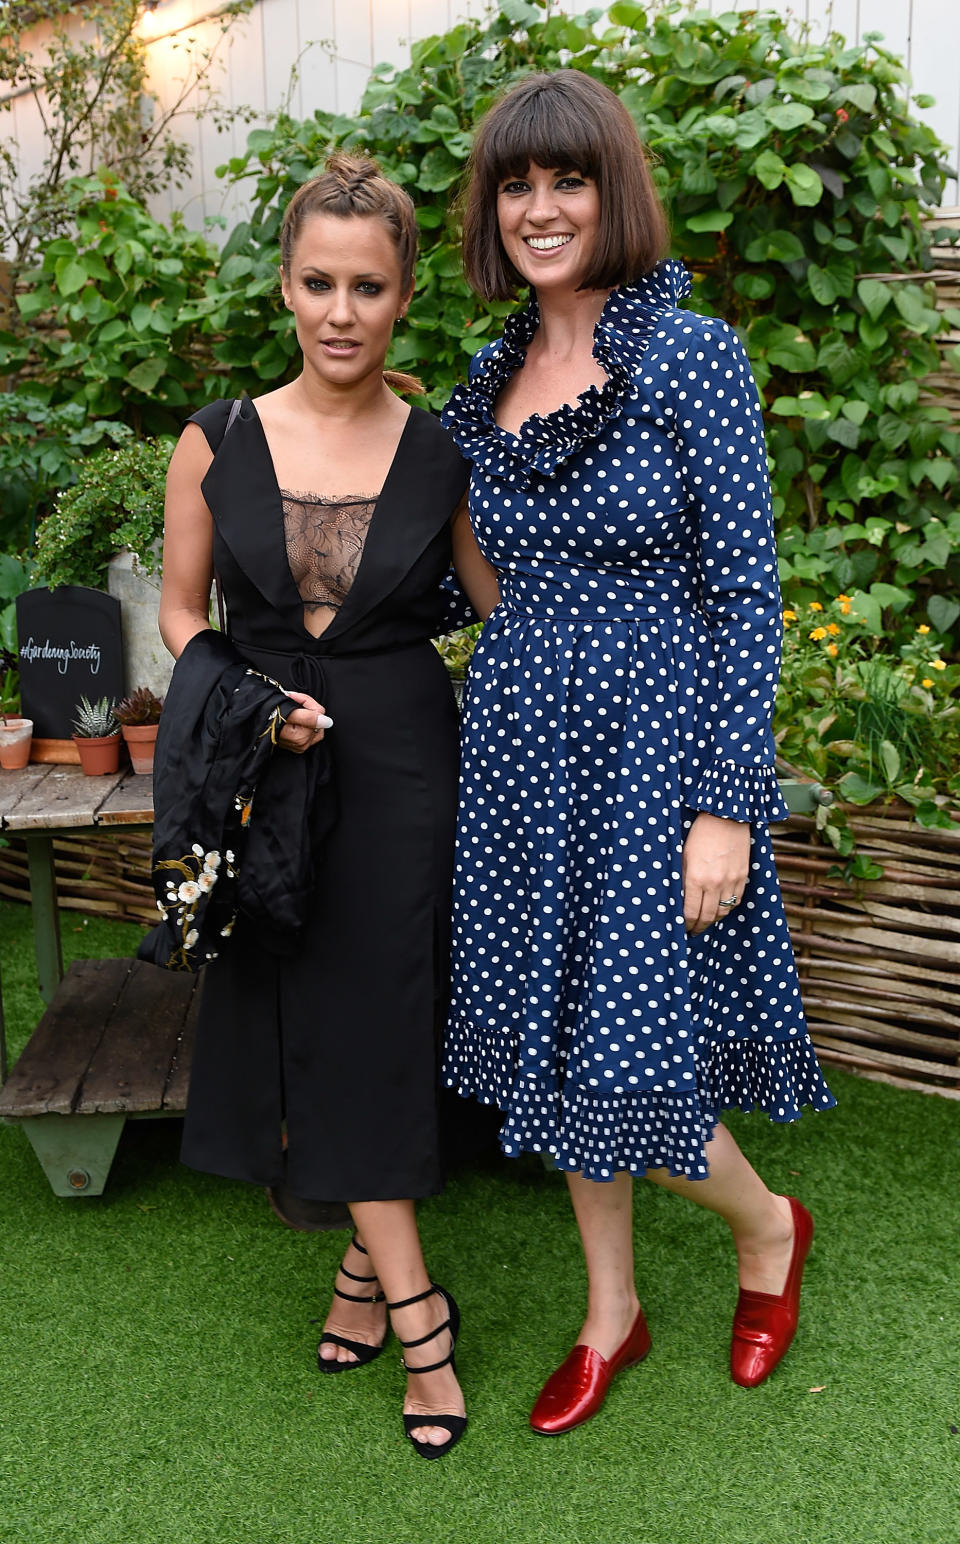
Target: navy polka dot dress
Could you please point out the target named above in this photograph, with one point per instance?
(625, 682)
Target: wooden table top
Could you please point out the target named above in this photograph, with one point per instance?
(56, 798)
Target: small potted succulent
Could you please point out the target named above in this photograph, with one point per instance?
(97, 736)
(139, 716)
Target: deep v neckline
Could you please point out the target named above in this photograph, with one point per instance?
(373, 526)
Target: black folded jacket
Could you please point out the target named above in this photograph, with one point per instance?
(237, 828)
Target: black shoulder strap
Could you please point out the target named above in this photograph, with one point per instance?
(221, 609)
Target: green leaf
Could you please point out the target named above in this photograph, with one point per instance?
(855, 411)
(752, 129)
(863, 97)
(71, 276)
(845, 433)
(438, 170)
(822, 286)
(770, 169)
(806, 189)
(875, 297)
(775, 246)
(141, 316)
(891, 595)
(943, 612)
(890, 760)
(145, 376)
(940, 471)
(932, 817)
(755, 286)
(787, 115)
(857, 790)
(872, 335)
(910, 303)
(795, 353)
(710, 220)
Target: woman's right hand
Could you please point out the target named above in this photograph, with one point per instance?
(305, 726)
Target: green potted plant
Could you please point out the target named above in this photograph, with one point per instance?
(115, 503)
(139, 717)
(97, 736)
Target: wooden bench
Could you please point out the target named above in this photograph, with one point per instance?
(115, 1043)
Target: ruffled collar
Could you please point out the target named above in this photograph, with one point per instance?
(620, 340)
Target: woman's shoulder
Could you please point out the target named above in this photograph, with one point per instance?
(213, 419)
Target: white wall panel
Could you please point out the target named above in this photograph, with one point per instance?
(349, 36)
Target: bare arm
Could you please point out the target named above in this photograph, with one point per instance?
(187, 544)
(476, 575)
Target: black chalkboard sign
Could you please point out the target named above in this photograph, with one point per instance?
(70, 647)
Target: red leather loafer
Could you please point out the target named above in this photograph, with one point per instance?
(579, 1386)
(765, 1323)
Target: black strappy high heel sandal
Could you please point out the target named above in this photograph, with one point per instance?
(364, 1353)
(455, 1424)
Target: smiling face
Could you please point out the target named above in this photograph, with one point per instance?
(345, 288)
(549, 223)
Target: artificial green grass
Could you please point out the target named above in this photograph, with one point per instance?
(158, 1377)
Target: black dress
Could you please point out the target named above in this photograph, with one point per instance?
(337, 1042)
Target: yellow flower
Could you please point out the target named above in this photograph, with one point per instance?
(923, 628)
(815, 606)
(833, 627)
(789, 616)
(832, 649)
(817, 634)
(926, 681)
(842, 598)
(845, 607)
(938, 664)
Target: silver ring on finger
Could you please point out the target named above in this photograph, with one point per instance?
(733, 901)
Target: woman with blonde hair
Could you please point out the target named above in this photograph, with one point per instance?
(328, 508)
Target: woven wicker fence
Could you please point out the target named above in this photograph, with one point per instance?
(879, 962)
(106, 876)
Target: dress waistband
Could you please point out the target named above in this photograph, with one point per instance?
(578, 616)
(246, 647)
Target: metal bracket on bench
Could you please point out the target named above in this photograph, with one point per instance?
(804, 798)
(75, 1151)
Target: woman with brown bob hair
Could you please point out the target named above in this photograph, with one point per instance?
(622, 968)
(328, 509)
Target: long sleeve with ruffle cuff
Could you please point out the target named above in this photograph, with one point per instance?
(739, 793)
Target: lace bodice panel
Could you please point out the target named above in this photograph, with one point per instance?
(325, 540)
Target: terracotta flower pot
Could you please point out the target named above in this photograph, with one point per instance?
(16, 737)
(140, 740)
(98, 754)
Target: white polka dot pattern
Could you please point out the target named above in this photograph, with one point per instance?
(625, 682)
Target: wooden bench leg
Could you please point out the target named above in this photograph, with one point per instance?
(75, 1151)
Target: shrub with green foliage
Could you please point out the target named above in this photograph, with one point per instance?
(40, 449)
(116, 502)
(109, 324)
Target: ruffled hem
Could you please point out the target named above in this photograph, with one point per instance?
(620, 339)
(739, 793)
(601, 1136)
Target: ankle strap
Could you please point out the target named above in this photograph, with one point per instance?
(357, 1245)
(420, 1297)
(351, 1275)
(353, 1297)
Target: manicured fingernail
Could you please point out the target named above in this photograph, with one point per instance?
(323, 722)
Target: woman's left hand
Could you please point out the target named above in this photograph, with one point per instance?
(305, 726)
(716, 862)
